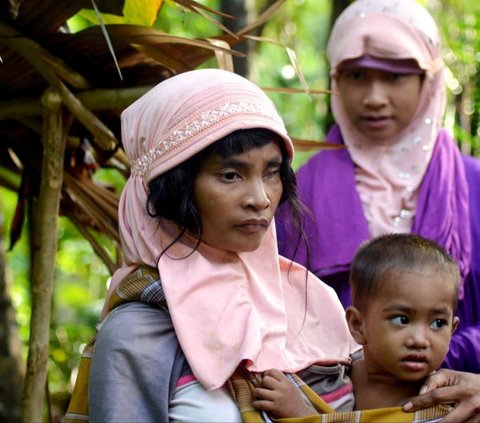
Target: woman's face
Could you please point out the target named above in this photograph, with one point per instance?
(379, 104)
(237, 197)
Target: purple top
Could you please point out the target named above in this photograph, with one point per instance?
(448, 200)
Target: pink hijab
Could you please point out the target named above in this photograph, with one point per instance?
(225, 307)
(388, 176)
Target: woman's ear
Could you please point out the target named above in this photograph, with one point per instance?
(355, 324)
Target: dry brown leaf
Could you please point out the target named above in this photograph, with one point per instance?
(201, 10)
(305, 145)
(224, 60)
(263, 18)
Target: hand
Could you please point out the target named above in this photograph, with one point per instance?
(280, 397)
(449, 386)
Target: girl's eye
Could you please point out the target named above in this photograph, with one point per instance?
(400, 320)
(354, 75)
(394, 76)
(438, 323)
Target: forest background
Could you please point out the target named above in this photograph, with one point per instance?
(294, 36)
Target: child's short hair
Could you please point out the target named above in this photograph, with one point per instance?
(390, 253)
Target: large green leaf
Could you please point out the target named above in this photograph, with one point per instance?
(138, 12)
(86, 18)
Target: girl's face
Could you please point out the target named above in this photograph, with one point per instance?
(408, 324)
(237, 197)
(379, 104)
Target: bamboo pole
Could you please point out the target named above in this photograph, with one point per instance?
(45, 247)
(95, 100)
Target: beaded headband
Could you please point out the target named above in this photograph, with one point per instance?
(204, 121)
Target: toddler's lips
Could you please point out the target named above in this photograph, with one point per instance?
(415, 363)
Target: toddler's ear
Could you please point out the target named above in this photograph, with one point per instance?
(456, 321)
(355, 324)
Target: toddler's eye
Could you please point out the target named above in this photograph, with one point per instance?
(438, 323)
(400, 320)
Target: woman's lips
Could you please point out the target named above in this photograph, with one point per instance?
(254, 225)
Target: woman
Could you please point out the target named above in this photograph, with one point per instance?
(203, 290)
(400, 171)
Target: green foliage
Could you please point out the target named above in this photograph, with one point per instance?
(302, 25)
(17, 268)
(80, 286)
(138, 12)
(87, 18)
(182, 22)
(460, 30)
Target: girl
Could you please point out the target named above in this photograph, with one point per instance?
(400, 171)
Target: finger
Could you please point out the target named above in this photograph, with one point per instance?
(441, 378)
(272, 383)
(452, 417)
(438, 396)
(459, 415)
(263, 405)
(274, 373)
(268, 382)
(264, 394)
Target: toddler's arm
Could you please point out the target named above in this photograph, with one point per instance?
(278, 396)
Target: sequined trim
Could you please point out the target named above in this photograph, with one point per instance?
(202, 122)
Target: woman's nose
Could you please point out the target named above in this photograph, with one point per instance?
(256, 196)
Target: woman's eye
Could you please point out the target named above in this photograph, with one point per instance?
(229, 176)
(439, 323)
(273, 173)
(400, 320)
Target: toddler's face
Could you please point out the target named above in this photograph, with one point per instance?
(379, 104)
(409, 323)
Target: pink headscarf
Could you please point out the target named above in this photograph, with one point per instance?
(225, 307)
(388, 176)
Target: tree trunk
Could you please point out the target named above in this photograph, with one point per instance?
(337, 7)
(45, 247)
(237, 9)
(11, 362)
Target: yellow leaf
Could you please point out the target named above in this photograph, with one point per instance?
(141, 12)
